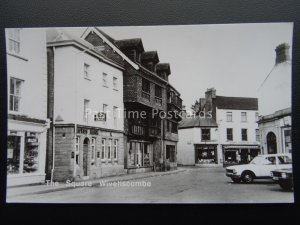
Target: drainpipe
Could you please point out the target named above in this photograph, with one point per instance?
(53, 126)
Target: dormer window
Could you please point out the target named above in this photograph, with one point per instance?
(149, 66)
(132, 55)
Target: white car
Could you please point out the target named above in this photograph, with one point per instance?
(260, 167)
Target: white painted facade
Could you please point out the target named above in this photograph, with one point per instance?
(71, 88)
(27, 66)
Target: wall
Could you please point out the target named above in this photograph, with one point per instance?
(275, 93)
(185, 147)
(71, 88)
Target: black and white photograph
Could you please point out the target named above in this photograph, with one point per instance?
(150, 114)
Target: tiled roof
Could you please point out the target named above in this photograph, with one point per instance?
(163, 66)
(126, 43)
(238, 103)
(150, 55)
(197, 122)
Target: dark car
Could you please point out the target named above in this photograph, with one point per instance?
(284, 178)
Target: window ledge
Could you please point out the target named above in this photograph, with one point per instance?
(17, 56)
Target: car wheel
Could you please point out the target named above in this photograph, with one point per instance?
(287, 186)
(247, 177)
(236, 180)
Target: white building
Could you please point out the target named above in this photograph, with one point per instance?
(275, 105)
(27, 105)
(228, 135)
(86, 107)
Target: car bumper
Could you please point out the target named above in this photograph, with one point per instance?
(232, 175)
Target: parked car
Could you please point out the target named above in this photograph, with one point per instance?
(260, 167)
(284, 178)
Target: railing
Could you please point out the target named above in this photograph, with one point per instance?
(137, 129)
(175, 100)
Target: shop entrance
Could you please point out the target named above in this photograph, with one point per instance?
(271, 143)
(86, 144)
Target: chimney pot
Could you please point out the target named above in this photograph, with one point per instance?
(282, 53)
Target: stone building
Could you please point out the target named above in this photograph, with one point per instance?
(150, 138)
(27, 105)
(275, 104)
(85, 103)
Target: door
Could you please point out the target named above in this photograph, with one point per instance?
(271, 143)
(86, 146)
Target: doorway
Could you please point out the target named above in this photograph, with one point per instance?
(271, 143)
(86, 145)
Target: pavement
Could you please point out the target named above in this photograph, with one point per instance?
(60, 186)
(185, 185)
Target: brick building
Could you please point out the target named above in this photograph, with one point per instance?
(150, 140)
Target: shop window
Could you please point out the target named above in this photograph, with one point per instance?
(14, 42)
(229, 134)
(257, 136)
(244, 135)
(205, 134)
(244, 117)
(229, 116)
(103, 148)
(31, 153)
(15, 94)
(206, 154)
(115, 156)
(13, 154)
(170, 153)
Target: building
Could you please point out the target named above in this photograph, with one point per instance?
(224, 131)
(275, 105)
(151, 138)
(85, 105)
(27, 87)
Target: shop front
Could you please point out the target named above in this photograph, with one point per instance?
(26, 152)
(206, 154)
(239, 154)
(139, 156)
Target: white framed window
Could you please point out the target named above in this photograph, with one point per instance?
(229, 116)
(77, 141)
(103, 148)
(257, 136)
(115, 115)
(93, 149)
(244, 117)
(256, 116)
(115, 156)
(115, 83)
(86, 104)
(14, 40)
(86, 71)
(104, 80)
(109, 149)
(15, 94)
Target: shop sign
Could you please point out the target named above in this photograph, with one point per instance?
(100, 116)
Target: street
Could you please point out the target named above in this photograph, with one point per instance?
(195, 185)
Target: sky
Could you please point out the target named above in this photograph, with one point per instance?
(233, 58)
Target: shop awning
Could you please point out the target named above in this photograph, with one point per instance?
(241, 147)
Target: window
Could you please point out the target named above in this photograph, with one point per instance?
(205, 134)
(115, 115)
(256, 116)
(244, 116)
(244, 135)
(15, 94)
(86, 109)
(103, 148)
(14, 40)
(131, 55)
(229, 134)
(229, 116)
(174, 128)
(168, 126)
(158, 91)
(170, 153)
(115, 156)
(146, 89)
(31, 153)
(86, 70)
(77, 150)
(257, 136)
(115, 83)
(104, 80)
(13, 154)
(93, 149)
(109, 149)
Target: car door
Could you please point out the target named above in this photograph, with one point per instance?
(267, 165)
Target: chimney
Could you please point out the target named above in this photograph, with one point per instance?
(282, 53)
(210, 94)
